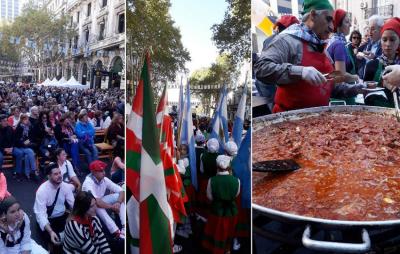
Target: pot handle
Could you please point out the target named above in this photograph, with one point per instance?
(336, 246)
(337, 102)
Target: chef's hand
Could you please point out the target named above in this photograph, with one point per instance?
(313, 76)
(392, 78)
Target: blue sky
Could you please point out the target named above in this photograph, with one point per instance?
(194, 18)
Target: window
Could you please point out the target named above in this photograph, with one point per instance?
(87, 35)
(104, 3)
(77, 17)
(101, 34)
(89, 9)
(70, 43)
(72, 20)
(121, 23)
(76, 42)
(284, 10)
(3, 8)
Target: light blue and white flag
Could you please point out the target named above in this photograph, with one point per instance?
(241, 166)
(239, 117)
(220, 120)
(181, 109)
(187, 136)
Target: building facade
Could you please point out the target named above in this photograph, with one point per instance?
(96, 55)
(361, 10)
(282, 7)
(9, 10)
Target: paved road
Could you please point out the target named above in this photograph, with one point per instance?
(24, 191)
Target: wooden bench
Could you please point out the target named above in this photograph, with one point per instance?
(105, 150)
(99, 135)
(8, 161)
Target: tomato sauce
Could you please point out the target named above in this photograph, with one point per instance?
(350, 167)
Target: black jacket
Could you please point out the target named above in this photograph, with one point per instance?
(7, 138)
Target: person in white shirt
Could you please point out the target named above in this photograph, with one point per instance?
(50, 206)
(67, 170)
(98, 184)
(15, 232)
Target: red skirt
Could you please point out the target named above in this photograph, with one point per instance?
(191, 193)
(203, 205)
(218, 234)
(243, 222)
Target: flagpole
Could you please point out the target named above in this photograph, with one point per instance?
(180, 117)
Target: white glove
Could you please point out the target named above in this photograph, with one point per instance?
(393, 77)
(186, 162)
(181, 167)
(313, 76)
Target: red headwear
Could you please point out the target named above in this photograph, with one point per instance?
(97, 166)
(286, 21)
(338, 16)
(392, 24)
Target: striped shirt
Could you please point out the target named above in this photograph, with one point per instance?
(77, 238)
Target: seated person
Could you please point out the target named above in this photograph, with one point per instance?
(15, 232)
(3, 187)
(98, 184)
(83, 232)
(116, 133)
(24, 143)
(4, 142)
(67, 170)
(48, 146)
(51, 201)
(67, 139)
(374, 69)
(85, 132)
(118, 169)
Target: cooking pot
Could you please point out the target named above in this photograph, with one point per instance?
(259, 123)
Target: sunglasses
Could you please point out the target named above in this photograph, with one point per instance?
(358, 38)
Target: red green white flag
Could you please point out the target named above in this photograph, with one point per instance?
(173, 181)
(145, 173)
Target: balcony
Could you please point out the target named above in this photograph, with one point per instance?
(386, 11)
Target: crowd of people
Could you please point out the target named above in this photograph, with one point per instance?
(315, 57)
(49, 135)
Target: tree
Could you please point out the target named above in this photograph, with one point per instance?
(7, 50)
(233, 34)
(150, 27)
(38, 35)
(207, 82)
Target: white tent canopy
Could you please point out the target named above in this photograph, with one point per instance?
(46, 82)
(73, 83)
(62, 81)
(53, 82)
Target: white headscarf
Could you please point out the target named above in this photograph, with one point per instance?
(213, 145)
(223, 161)
(231, 148)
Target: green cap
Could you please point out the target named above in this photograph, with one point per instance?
(309, 5)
